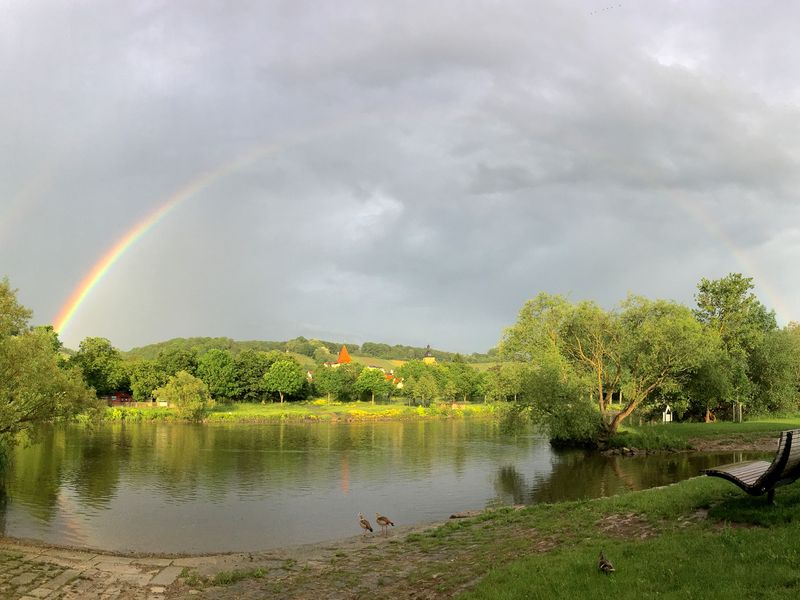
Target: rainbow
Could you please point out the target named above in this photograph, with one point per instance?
(133, 235)
(701, 216)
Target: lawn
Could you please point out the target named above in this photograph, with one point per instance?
(319, 410)
(678, 436)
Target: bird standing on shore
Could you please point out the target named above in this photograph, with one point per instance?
(364, 523)
(384, 522)
(604, 564)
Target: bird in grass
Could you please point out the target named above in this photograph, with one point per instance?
(364, 523)
(384, 522)
(604, 564)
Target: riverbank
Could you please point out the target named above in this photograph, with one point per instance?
(672, 542)
(315, 411)
(757, 435)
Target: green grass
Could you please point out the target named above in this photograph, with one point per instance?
(678, 436)
(319, 410)
(349, 411)
(743, 549)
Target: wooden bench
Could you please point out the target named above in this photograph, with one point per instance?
(761, 477)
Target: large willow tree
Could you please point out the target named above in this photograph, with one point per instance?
(34, 387)
(583, 355)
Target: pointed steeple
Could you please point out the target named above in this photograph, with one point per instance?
(344, 356)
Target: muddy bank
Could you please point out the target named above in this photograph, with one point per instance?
(768, 443)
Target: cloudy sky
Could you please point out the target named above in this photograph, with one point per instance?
(404, 172)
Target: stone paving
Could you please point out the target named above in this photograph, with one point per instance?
(36, 573)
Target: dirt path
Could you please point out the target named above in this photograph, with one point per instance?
(768, 443)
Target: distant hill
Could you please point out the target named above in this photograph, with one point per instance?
(369, 353)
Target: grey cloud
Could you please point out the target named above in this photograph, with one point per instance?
(425, 167)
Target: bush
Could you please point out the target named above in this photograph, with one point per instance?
(188, 394)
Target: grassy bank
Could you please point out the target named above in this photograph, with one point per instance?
(701, 538)
(319, 411)
(687, 436)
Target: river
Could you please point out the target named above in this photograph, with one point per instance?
(180, 488)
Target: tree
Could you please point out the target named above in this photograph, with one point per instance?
(425, 390)
(773, 372)
(286, 377)
(251, 366)
(34, 388)
(145, 376)
(372, 381)
(188, 394)
(505, 381)
(101, 365)
(729, 307)
(322, 355)
(662, 346)
(460, 379)
(644, 351)
(172, 360)
(218, 369)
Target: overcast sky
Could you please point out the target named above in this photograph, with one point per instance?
(408, 172)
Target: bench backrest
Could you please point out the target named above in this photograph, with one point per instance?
(791, 470)
(785, 467)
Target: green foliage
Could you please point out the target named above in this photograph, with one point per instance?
(505, 381)
(101, 365)
(35, 386)
(286, 377)
(558, 400)
(188, 394)
(745, 328)
(663, 345)
(400, 352)
(145, 377)
(424, 390)
(251, 365)
(774, 373)
(173, 360)
(218, 370)
(373, 382)
(643, 353)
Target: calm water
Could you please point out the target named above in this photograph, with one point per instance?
(187, 488)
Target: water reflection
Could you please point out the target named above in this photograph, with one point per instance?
(194, 488)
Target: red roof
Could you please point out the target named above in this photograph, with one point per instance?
(344, 356)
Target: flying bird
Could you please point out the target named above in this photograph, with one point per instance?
(384, 522)
(604, 564)
(364, 523)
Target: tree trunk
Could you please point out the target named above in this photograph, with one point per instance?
(373, 397)
(281, 394)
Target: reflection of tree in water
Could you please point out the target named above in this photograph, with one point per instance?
(511, 486)
(35, 473)
(3, 508)
(580, 474)
(97, 474)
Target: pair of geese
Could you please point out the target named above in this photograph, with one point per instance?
(380, 519)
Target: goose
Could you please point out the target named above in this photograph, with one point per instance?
(384, 522)
(364, 523)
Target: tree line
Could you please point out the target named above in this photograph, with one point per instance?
(257, 376)
(318, 350)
